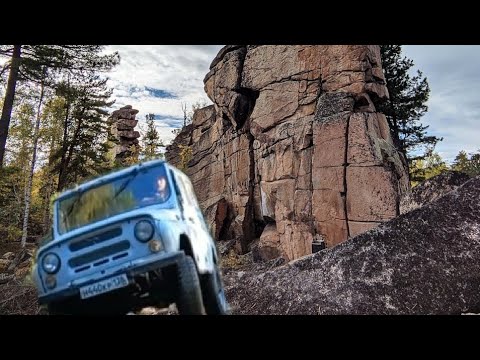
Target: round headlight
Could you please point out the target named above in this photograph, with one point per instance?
(51, 263)
(144, 230)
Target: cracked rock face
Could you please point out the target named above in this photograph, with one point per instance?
(426, 261)
(122, 126)
(292, 148)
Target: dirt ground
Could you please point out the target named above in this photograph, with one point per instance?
(17, 294)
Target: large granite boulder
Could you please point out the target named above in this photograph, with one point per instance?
(426, 261)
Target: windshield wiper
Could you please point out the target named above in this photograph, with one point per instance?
(70, 209)
(125, 184)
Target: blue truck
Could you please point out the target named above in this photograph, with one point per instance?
(130, 239)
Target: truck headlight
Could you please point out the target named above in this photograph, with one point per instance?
(51, 263)
(144, 230)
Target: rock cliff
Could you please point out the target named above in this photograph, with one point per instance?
(292, 149)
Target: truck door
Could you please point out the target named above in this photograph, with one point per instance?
(198, 239)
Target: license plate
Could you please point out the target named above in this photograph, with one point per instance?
(103, 286)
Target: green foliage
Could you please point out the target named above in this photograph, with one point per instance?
(185, 156)
(73, 137)
(49, 65)
(406, 105)
(132, 158)
(426, 168)
(11, 200)
(94, 205)
(470, 165)
(86, 140)
(21, 136)
(151, 141)
(74, 60)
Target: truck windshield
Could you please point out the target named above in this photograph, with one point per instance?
(137, 189)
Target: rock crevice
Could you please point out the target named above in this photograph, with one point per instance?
(345, 185)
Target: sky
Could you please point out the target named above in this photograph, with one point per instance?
(160, 78)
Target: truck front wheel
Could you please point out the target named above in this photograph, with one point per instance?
(214, 293)
(189, 294)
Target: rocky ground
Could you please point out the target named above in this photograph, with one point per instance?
(426, 261)
(432, 189)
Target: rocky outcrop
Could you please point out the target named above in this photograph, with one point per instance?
(122, 124)
(292, 148)
(426, 261)
(431, 189)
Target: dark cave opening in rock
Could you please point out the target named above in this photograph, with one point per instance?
(244, 105)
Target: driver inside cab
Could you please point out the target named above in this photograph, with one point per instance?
(161, 191)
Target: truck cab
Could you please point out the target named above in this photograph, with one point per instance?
(133, 238)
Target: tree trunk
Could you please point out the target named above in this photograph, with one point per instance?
(67, 157)
(8, 103)
(49, 189)
(32, 168)
(63, 168)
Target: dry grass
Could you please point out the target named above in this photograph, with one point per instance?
(233, 261)
(18, 298)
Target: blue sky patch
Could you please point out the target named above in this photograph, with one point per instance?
(159, 93)
(174, 122)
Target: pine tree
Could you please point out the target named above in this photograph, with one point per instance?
(468, 165)
(151, 140)
(406, 105)
(85, 142)
(29, 63)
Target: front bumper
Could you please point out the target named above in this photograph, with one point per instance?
(131, 272)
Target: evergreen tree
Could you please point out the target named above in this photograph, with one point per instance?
(468, 165)
(85, 142)
(406, 105)
(151, 140)
(30, 62)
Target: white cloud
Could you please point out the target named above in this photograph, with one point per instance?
(176, 69)
(452, 72)
(454, 108)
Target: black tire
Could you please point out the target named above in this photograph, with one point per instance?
(53, 309)
(62, 308)
(214, 294)
(189, 293)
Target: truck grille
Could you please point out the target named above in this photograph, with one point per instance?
(100, 256)
(93, 240)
